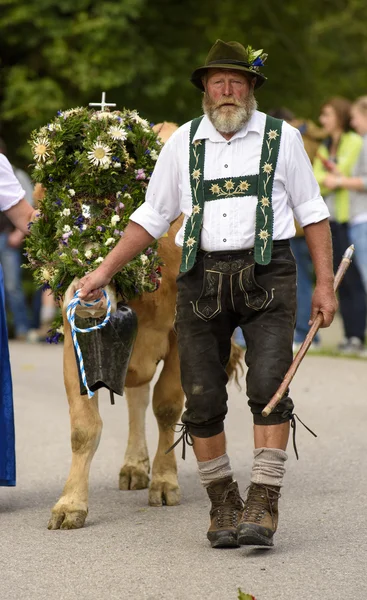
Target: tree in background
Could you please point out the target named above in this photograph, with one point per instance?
(55, 55)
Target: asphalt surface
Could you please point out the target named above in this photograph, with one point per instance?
(129, 550)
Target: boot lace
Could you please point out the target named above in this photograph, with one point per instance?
(227, 506)
(260, 500)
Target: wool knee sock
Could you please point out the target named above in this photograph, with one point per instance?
(217, 468)
(268, 466)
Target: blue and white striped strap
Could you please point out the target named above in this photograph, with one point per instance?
(70, 313)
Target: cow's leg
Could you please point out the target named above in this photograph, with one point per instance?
(134, 474)
(167, 406)
(86, 426)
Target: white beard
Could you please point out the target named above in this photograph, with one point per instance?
(229, 119)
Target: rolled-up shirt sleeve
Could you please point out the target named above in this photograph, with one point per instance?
(303, 190)
(162, 201)
(11, 192)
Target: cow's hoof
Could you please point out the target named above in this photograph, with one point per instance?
(67, 520)
(164, 493)
(133, 478)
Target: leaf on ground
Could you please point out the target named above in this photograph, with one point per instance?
(242, 596)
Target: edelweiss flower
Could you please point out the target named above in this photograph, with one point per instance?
(263, 235)
(71, 192)
(100, 155)
(101, 115)
(144, 259)
(71, 111)
(99, 259)
(264, 201)
(67, 228)
(66, 212)
(154, 155)
(135, 117)
(196, 174)
(117, 132)
(267, 168)
(190, 242)
(215, 189)
(109, 241)
(88, 254)
(229, 185)
(196, 209)
(244, 186)
(41, 149)
(60, 329)
(115, 219)
(46, 275)
(86, 211)
(197, 143)
(273, 134)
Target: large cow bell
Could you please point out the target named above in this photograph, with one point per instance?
(107, 351)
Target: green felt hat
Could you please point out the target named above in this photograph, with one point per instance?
(234, 56)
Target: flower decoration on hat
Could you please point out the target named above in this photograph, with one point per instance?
(256, 58)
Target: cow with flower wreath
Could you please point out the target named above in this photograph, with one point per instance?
(94, 168)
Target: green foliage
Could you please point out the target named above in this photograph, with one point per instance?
(95, 167)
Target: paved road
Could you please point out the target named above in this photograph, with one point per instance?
(128, 550)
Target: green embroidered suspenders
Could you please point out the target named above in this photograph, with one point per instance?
(249, 185)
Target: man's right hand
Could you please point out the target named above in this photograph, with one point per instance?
(91, 285)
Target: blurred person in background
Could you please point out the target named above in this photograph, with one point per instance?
(337, 157)
(356, 184)
(11, 240)
(20, 213)
(311, 136)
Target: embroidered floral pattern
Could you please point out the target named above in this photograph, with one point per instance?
(193, 225)
(250, 185)
(264, 211)
(231, 188)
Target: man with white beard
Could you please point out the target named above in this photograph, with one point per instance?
(239, 176)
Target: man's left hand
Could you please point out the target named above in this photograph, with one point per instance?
(324, 300)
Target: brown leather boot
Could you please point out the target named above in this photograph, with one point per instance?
(225, 513)
(260, 516)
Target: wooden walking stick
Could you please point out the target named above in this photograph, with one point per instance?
(345, 262)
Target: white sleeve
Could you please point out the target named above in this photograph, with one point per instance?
(303, 190)
(11, 192)
(162, 199)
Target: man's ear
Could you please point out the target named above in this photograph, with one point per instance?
(253, 82)
(203, 81)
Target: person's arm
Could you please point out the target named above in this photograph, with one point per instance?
(135, 239)
(333, 182)
(318, 238)
(21, 214)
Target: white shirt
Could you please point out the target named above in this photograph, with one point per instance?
(11, 192)
(229, 223)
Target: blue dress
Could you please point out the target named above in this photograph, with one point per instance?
(7, 438)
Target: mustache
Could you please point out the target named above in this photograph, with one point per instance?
(226, 101)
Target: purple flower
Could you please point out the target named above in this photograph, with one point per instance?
(116, 232)
(66, 235)
(99, 228)
(54, 339)
(148, 251)
(140, 174)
